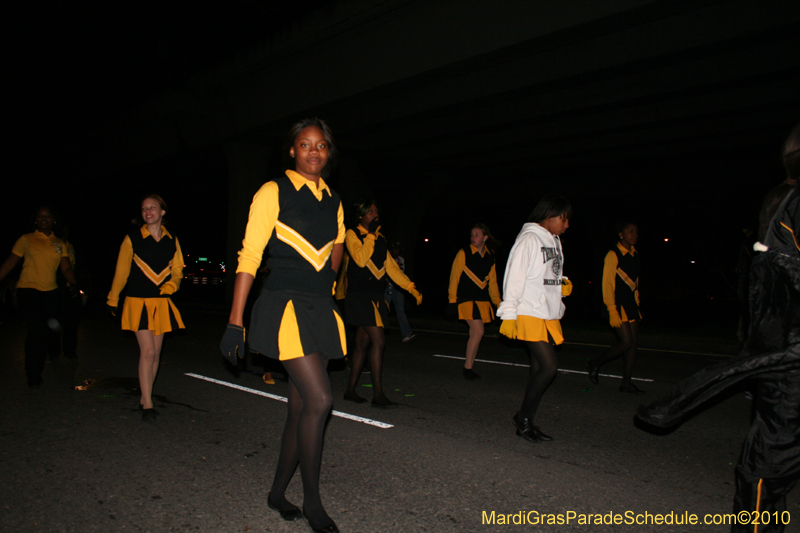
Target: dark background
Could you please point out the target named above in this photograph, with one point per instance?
(694, 176)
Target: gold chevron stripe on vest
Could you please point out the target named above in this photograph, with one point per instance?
(317, 258)
(471, 275)
(628, 281)
(157, 279)
(375, 272)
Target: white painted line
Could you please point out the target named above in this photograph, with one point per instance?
(356, 418)
(564, 370)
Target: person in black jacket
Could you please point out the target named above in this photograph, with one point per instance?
(769, 465)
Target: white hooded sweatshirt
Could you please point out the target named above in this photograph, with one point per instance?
(532, 282)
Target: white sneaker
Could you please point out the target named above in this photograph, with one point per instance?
(409, 337)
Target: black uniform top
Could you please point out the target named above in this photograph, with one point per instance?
(302, 240)
(154, 261)
(145, 265)
(371, 278)
(627, 281)
(473, 277)
(370, 263)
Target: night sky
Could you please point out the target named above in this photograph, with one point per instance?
(81, 66)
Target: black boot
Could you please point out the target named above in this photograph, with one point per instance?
(528, 431)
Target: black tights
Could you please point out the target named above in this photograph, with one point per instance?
(544, 365)
(627, 338)
(309, 405)
(369, 339)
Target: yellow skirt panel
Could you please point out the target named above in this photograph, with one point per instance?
(534, 329)
(289, 344)
(624, 316)
(162, 315)
(466, 311)
(342, 333)
(378, 320)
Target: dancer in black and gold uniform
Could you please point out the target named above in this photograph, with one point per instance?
(473, 285)
(370, 261)
(150, 264)
(621, 298)
(43, 254)
(295, 319)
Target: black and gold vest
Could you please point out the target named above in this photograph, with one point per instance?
(372, 278)
(301, 244)
(473, 285)
(151, 266)
(626, 284)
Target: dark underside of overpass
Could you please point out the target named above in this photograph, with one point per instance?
(669, 111)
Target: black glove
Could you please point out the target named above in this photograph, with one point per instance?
(374, 226)
(232, 344)
(452, 311)
(112, 310)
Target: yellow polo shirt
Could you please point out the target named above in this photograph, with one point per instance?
(42, 258)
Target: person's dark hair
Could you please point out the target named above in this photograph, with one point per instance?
(621, 226)
(161, 203)
(618, 228)
(552, 205)
(491, 242)
(295, 130)
(791, 153)
(360, 208)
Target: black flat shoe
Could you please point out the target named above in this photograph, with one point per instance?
(330, 528)
(528, 431)
(149, 415)
(384, 404)
(540, 435)
(141, 408)
(631, 389)
(594, 371)
(354, 398)
(290, 513)
(469, 375)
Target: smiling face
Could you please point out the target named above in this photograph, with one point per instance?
(310, 152)
(629, 235)
(152, 212)
(45, 220)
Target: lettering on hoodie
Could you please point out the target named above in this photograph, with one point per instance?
(553, 254)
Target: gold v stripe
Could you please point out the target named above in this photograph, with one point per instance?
(628, 281)
(317, 258)
(471, 275)
(375, 272)
(793, 235)
(157, 279)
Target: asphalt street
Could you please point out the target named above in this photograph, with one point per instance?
(76, 457)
